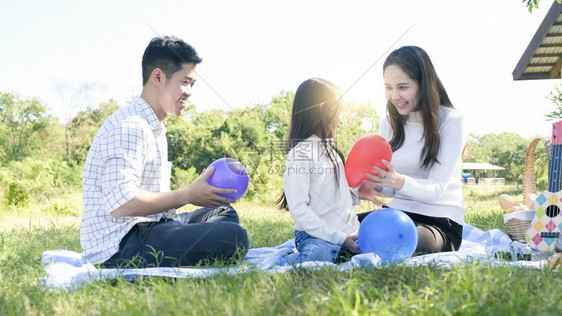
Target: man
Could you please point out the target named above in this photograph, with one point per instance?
(129, 216)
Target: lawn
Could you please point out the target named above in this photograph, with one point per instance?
(472, 288)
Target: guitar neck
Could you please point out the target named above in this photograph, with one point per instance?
(556, 162)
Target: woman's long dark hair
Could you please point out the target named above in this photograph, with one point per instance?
(316, 106)
(415, 62)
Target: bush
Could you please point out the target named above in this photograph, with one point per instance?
(182, 178)
(64, 205)
(38, 180)
(17, 194)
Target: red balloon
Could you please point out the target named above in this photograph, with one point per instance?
(366, 152)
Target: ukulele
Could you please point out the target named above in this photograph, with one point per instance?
(544, 230)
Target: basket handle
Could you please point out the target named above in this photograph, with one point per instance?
(529, 182)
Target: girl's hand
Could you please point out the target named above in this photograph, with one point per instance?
(369, 191)
(351, 243)
(389, 178)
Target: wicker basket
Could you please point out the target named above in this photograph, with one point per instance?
(516, 228)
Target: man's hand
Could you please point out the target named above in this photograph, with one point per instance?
(198, 193)
(201, 193)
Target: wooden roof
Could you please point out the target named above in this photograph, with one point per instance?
(543, 57)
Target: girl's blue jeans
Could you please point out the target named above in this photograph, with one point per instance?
(312, 249)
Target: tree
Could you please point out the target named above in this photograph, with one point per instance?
(507, 150)
(475, 152)
(533, 4)
(358, 119)
(556, 97)
(181, 134)
(23, 120)
(197, 139)
(82, 129)
(74, 99)
(278, 115)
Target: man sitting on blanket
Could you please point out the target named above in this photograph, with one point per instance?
(129, 217)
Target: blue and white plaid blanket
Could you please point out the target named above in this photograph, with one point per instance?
(66, 270)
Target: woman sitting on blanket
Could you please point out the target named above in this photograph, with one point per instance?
(315, 189)
(422, 123)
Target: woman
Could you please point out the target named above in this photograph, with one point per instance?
(427, 137)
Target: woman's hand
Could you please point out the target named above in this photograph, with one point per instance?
(389, 178)
(351, 243)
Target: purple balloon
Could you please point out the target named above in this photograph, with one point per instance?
(229, 174)
(389, 233)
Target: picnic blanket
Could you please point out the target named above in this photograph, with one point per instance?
(66, 270)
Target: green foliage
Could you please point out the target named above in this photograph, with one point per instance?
(52, 143)
(36, 180)
(506, 150)
(358, 119)
(533, 4)
(250, 135)
(23, 121)
(67, 205)
(17, 194)
(278, 115)
(254, 135)
(482, 207)
(556, 98)
(182, 177)
(83, 128)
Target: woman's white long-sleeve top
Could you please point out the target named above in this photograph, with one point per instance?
(436, 191)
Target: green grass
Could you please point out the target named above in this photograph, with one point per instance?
(467, 289)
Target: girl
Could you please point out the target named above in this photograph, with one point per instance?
(427, 137)
(315, 190)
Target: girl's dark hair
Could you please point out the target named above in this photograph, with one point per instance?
(415, 62)
(316, 106)
(167, 53)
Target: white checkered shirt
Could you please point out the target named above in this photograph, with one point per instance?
(129, 153)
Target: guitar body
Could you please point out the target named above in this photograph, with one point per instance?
(544, 231)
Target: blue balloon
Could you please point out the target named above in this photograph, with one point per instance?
(229, 174)
(389, 233)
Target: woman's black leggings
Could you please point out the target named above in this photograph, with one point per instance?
(435, 234)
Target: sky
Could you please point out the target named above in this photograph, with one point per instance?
(254, 50)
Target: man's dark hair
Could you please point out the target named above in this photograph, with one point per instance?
(167, 53)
